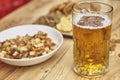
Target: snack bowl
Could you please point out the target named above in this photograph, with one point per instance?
(22, 30)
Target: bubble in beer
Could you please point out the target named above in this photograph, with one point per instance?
(92, 21)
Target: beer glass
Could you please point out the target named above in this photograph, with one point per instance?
(91, 34)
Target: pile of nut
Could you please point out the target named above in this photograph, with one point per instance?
(63, 9)
(55, 16)
(50, 20)
(27, 46)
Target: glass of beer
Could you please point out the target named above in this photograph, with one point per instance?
(92, 23)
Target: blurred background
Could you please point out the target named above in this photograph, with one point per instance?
(7, 6)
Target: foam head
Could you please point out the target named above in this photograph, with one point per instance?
(91, 21)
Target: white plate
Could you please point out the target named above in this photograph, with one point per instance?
(21, 30)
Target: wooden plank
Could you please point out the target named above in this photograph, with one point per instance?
(59, 67)
(63, 70)
(35, 72)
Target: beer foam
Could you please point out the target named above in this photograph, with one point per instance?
(105, 23)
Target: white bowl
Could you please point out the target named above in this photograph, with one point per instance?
(55, 35)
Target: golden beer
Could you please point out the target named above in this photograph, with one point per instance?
(91, 46)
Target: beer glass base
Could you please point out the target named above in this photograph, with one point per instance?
(90, 75)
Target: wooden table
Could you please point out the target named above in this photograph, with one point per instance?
(59, 67)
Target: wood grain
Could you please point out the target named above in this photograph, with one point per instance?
(59, 67)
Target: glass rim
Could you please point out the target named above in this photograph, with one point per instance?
(84, 2)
